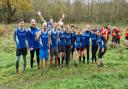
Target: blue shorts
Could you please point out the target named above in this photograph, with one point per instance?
(43, 54)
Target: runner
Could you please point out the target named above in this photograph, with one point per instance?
(54, 37)
(73, 38)
(94, 45)
(33, 44)
(20, 36)
(87, 35)
(114, 37)
(78, 45)
(61, 45)
(101, 46)
(83, 46)
(67, 45)
(44, 41)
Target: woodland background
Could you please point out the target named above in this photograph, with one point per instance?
(98, 11)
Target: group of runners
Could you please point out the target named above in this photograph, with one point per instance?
(58, 43)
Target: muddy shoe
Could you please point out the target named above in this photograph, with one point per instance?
(100, 63)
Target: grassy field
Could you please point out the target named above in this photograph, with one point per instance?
(114, 74)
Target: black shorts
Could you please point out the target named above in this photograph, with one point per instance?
(114, 39)
(82, 48)
(22, 51)
(61, 48)
(77, 49)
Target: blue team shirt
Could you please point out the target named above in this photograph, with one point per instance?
(54, 38)
(100, 41)
(62, 38)
(87, 35)
(68, 39)
(44, 40)
(78, 41)
(94, 40)
(20, 38)
(31, 38)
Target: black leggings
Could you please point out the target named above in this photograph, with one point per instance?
(94, 50)
(67, 52)
(118, 41)
(32, 56)
(87, 50)
(100, 54)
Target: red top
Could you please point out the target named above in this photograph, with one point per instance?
(126, 33)
(119, 33)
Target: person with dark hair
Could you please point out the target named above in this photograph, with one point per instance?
(33, 44)
(118, 35)
(94, 45)
(109, 31)
(20, 37)
(114, 37)
(102, 50)
(51, 21)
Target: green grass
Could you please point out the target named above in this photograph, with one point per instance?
(114, 74)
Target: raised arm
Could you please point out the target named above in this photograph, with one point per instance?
(41, 17)
(63, 16)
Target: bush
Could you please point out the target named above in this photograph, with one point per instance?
(4, 31)
(1, 30)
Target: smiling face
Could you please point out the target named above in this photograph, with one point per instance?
(51, 21)
(55, 26)
(33, 22)
(21, 24)
(44, 27)
(79, 31)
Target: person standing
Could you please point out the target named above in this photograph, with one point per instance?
(43, 37)
(78, 45)
(94, 45)
(61, 45)
(67, 45)
(33, 44)
(87, 35)
(20, 37)
(54, 38)
(102, 50)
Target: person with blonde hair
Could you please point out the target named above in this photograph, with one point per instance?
(67, 45)
(44, 40)
(61, 45)
(78, 45)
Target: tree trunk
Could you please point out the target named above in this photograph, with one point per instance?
(11, 12)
